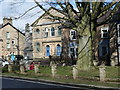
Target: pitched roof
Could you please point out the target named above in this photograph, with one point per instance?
(101, 19)
(13, 27)
(36, 21)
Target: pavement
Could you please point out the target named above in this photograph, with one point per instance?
(93, 87)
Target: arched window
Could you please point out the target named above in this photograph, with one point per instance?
(52, 31)
(38, 47)
(58, 50)
(47, 50)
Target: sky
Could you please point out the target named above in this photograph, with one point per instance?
(15, 8)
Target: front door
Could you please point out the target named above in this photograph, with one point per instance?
(47, 50)
(104, 54)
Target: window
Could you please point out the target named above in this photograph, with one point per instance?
(46, 32)
(118, 27)
(8, 35)
(13, 42)
(52, 31)
(59, 31)
(37, 31)
(8, 45)
(73, 35)
(58, 50)
(38, 47)
(104, 32)
(72, 52)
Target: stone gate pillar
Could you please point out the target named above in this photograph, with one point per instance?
(22, 69)
(53, 70)
(10, 68)
(36, 68)
(102, 73)
(75, 72)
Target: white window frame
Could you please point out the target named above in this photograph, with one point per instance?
(46, 31)
(104, 28)
(8, 35)
(8, 45)
(71, 37)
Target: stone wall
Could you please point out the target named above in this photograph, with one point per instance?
(14, 34)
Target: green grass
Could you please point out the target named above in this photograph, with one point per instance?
(62, 72)
(88, 82)
(45, 70)
(111, 72)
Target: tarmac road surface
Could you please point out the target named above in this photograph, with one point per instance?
(20, 83)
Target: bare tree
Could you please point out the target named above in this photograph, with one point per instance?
(81, 19)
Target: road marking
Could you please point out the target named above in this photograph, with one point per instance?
(46, 83)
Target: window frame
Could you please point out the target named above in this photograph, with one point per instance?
(7, 35)
(37, 47)
(71, 37)
(102, 33)
(51, 32)
(59, 31)
(46, 32)
(8, 45)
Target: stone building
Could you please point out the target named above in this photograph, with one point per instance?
(11, 39)
(107, 43)
(50, 38)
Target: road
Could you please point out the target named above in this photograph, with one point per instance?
(20, 83)
(12, 83)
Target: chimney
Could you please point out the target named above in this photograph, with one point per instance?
(27, 27)
(7, 20)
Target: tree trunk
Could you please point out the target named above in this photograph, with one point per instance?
(85, 61)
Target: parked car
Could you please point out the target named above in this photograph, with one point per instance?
(3, 62)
